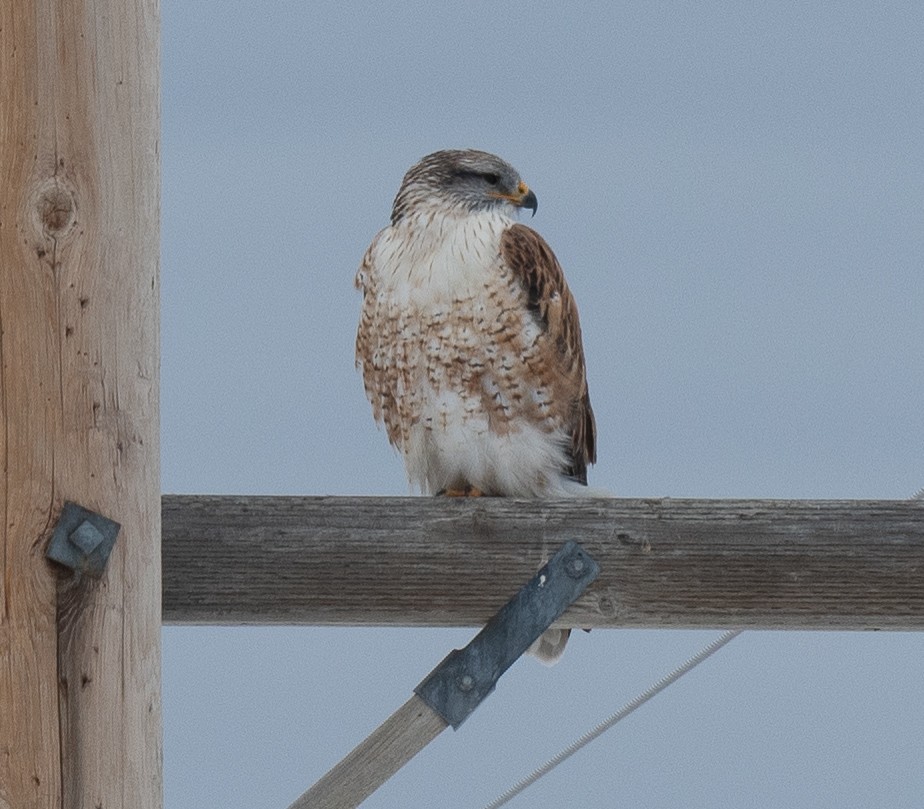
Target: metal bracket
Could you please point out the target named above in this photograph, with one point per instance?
(466, 676)
(82, 540)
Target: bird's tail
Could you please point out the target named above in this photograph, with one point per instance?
(550, 646)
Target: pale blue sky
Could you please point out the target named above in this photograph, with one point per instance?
(737, 197)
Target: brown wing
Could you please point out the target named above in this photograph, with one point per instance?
(553, 306)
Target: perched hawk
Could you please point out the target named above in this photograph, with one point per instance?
(469, 341)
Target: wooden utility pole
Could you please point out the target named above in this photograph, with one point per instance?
(79, 214)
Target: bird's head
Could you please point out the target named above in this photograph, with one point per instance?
(465, 180)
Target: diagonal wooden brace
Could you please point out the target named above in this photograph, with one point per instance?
(458, 684)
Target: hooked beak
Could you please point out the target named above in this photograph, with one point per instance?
(528, 200)
(523, 198)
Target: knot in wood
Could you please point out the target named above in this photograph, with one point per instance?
(56, 208)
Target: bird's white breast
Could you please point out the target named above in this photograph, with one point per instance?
(449, 337)
(429, 261)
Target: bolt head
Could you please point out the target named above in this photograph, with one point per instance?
(466, 682)
(82, 540)
(87, 537)
(575, 567)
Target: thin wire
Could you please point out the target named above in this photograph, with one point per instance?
(623, 712)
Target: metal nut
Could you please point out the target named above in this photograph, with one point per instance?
(575, 567)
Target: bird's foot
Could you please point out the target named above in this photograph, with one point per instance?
(465, 491)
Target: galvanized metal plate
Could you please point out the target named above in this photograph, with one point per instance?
(466, 676)
(82, 540)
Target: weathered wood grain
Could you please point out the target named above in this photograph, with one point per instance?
(448, 562)
(79, 242)
(376, 759)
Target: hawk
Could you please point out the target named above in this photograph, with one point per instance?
(469, 341)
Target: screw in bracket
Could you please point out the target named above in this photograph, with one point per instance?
(466, 682)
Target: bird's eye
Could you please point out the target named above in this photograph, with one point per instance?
(491, 178)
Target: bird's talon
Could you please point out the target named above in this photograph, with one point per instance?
(465, 491)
